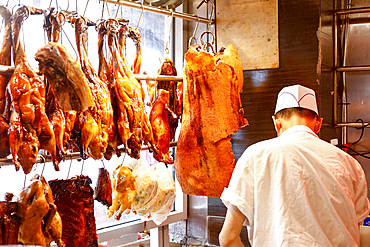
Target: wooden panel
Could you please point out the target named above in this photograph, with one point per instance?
(252, 27)
(299, 24)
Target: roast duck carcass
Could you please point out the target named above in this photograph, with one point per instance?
(212, 112)
(9, 221)
(132, 122)
(165, 112)
(50, 60)
(5, 59)
(41, 223)
(75, 202)
(96, 125)
(29, 129)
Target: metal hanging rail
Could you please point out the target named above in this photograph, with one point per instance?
(344, 69)
(185, 16)
(9, 70)
(352, 11)
(353, 68)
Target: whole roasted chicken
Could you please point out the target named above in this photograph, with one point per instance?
(40, 222)
(29, 128)
(124, 191)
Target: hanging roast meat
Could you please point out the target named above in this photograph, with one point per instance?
(212, 112)
(9, 221)
(132, 122)
(5, 59)
(29, 128)
(103, 189)
(97, 125)
(105, 73)
(75, 202)
(160, 122)
(40, 222)
(65, 76)
(61, 120)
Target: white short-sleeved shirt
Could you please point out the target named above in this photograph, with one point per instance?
(298, 190)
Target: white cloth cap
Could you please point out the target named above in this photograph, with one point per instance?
(296, 96)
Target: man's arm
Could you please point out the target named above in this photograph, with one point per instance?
(230, 232)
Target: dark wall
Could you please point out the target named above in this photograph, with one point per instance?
(306, 58)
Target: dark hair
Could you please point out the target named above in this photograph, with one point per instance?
(287, 113)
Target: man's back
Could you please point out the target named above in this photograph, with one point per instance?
(301, 191)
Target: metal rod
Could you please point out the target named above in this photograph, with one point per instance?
(189, 17)
(354, 125)
(9, 70)
(353, 68)
(352, 11)
(74, 155)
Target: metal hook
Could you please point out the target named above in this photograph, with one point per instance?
(102, 161)
(124, 156)
(70, 164)
(195, 31)
(82, 167)
(210, 18)
(24, 183)
(43, 167)
(87, 3)
(141, 14)
(169, 36)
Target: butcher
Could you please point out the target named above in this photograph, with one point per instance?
(295, 189)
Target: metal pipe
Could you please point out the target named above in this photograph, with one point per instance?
(74, 155)
(353, 68)
(9, 70)
(352, 11)
(354, 125)
(189, 17)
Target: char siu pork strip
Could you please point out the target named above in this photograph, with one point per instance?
(212, 112)
(5, 59)
(29, 128)
(75, 203)
(103, 189)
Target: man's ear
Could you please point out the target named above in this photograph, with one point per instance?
(277, 124)
(318, 125)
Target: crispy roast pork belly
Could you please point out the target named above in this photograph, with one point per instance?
(75, 202)
(65, 76)
(212, 112)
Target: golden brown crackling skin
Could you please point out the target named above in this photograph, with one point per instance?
(212, 112)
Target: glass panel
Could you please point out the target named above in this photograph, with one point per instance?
(154, 37)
